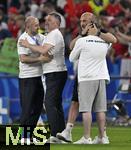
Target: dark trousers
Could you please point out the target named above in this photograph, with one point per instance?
(31, 98)
(55, 82)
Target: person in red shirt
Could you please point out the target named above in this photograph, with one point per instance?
(13, 28)
(114, 8)
(81, 7)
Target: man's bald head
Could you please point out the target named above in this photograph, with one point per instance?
(88, 16)
(30, 20)
(31, 25)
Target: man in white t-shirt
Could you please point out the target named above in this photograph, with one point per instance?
(66, 134)
(55, 72)
(30, 71)
(91, 51)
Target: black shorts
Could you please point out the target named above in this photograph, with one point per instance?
(75, 91)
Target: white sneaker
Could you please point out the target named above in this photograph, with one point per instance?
(103, 140)
(83, 140)
(53, 139)
(64, 136)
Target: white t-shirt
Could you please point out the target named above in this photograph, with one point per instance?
(27, 70)
(91, 52)
(57, 64)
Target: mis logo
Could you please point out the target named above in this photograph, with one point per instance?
(12, 135)
(15, 140)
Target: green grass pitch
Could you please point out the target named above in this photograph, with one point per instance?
(120, 139)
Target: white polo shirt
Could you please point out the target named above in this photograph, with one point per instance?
(57, 64)
(91, 52)
(27, 70)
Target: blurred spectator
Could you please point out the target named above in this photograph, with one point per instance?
(71, 17)
(2, 23)
(35, 9)
(48, 8)
(61, 3)
(120, 51)
(42, 26)
(4, 33)
(105, 21)
(125, 37)
(3, 5)
(114, 8)
(13, 3)
(71, 22)
(82, 6)
(120, 48)
(20, 20)
(23, 6)
(126, 7)
(13, 28)
(98, 5)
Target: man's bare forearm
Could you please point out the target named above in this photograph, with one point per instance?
(39, 49)
(125, 37)
(108, 37)
(30, 60)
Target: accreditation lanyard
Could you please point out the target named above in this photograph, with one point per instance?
(36, 40)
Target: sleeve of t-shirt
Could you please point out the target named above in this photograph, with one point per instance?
(52, 38)
(75, 53)
(20, 49)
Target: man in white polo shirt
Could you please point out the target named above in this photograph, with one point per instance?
(92, 74)
(30, 71)
(54, 71)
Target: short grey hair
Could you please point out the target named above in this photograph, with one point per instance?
(56, 15)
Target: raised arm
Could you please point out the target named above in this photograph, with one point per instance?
(108, 37)
(125, 37)
(91, 29)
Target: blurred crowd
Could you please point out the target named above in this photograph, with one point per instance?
(114, 16)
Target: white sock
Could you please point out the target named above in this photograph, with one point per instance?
(69, 127)
(105, 132)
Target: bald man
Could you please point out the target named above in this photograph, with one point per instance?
(55, 73)
(87, 23)
(30, 71)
